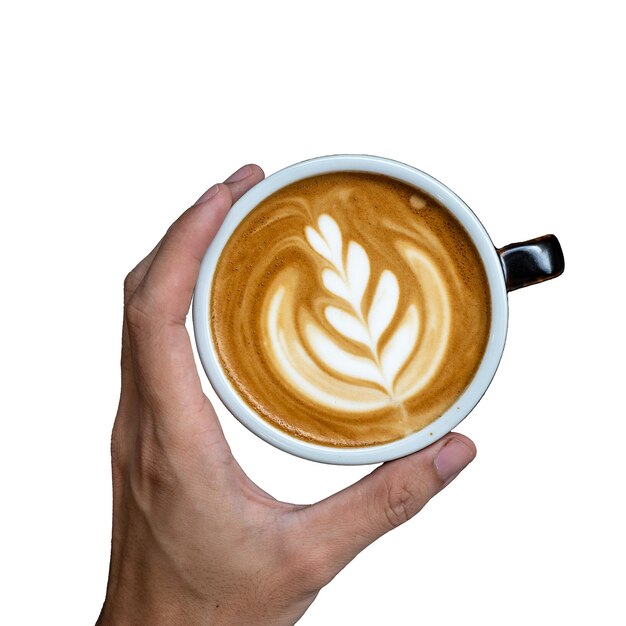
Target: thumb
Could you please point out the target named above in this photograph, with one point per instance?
(350, 520)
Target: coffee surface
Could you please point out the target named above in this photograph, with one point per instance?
(350, 309)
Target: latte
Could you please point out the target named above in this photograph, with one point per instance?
(350, 309)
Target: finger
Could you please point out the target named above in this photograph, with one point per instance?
(350, 520)
(161, 350)
(239, 181)
(168, 284)
(238, 184)
(137, 274)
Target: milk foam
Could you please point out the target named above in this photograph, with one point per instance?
(350, 309)
(366, 360)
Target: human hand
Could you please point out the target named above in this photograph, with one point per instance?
(195, 541)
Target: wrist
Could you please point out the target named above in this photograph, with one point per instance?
(161, 605)
(120, 614)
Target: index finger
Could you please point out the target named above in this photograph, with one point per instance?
(161, 350)
(168, 284)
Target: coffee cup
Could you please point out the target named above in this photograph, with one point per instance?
(352, 309)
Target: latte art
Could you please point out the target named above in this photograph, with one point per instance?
(348, 281)
(351, 367)
(350, 309)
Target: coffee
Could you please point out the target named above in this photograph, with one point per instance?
(350, 309)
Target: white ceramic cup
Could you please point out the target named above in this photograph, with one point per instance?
(508, 268)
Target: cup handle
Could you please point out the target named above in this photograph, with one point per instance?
(530, 262)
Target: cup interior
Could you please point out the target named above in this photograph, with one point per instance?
(371, 454)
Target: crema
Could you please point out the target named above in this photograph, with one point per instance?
(350, 309)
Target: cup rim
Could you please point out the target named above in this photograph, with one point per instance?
(352, 455)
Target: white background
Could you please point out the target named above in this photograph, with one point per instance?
(115, 117)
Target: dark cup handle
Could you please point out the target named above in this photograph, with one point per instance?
(530, 262)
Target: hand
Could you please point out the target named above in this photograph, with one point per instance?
(194, 540)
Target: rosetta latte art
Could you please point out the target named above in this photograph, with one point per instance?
(347, 279)
(349, 309)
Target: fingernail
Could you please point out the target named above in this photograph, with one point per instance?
(452, 458)
(208, 194)
(240, 174)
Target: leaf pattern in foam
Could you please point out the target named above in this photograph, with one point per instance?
(340, 360)
(332, 234)
(384, 305)
(318, 243)
(400, 345)
(335, 284)
(347, 324)
(357, 273)
(328, 241)
(350, 284)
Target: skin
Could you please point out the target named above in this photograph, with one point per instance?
(194, 540)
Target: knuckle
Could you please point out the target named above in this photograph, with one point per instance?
(133, 279)
(138, 312)
(403, 501)
(130, 284)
